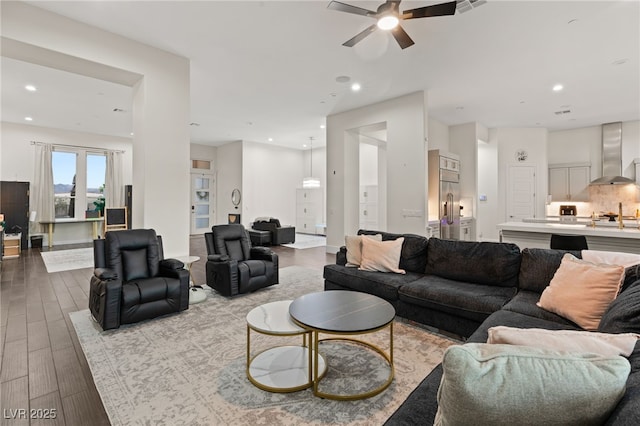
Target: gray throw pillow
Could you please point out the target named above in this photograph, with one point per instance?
(484, 384)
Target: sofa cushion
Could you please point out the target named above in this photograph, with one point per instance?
(525, 302)
(382, 256)
(468, 300)
(413, 257)
(493, 384)
(623, 314)
(376, 283)
(538, 266)
(581, 291)
(494, 264)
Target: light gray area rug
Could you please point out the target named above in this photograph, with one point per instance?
(305, 241)
(189, 368)
(66, 260)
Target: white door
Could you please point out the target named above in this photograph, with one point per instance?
(202, 202)
(521, 193)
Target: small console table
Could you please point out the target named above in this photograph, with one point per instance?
(96, 222)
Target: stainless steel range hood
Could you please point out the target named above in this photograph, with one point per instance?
(612, 156)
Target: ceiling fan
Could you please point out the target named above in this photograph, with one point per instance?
(388, 16)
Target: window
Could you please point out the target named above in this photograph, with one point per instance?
(96, 172)
(78, 179)
(64, 183)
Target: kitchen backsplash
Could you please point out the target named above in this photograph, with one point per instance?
(604, 199)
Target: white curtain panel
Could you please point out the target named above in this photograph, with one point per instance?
(113, 188)
(42, 193)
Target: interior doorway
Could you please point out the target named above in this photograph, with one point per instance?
(202, 202)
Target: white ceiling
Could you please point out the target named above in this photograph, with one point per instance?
(268, 69)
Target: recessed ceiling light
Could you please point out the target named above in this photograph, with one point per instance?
(270, 139)
(343, 79)
(572, 21)
(619, 62)
(28, 118)
(322, 126)
(521, 102)
(131, 133)
(355, 87)
(30, 87)
(304, 145)
(558, 87)
(118, 110)
(194, 124)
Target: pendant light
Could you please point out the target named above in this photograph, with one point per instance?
(311, 182)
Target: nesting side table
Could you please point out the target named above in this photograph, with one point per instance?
(280, 368)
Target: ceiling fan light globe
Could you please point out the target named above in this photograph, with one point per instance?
(388, 22)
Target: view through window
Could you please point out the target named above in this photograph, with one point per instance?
(78, 182)
(64, 183)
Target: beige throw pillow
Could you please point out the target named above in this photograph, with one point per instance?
(581, 291)
(382, 256)
(566, 340)
(354, 248)
(519, 385)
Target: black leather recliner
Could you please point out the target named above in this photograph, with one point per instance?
(132, 282)
(233, 266)
(279, 234)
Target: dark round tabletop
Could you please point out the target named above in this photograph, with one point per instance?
(341, 311)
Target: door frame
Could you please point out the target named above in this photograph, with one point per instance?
(212, 201)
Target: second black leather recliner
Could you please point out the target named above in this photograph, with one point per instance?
(233, 266)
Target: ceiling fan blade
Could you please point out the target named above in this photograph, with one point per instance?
(343, 7)
(442, 9)
(402, 37)
(358, 38)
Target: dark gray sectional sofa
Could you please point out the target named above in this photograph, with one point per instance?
(467, 287)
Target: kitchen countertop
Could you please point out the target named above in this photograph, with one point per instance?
(584, 220)
(580, 228)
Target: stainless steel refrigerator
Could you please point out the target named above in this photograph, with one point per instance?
(444, 192)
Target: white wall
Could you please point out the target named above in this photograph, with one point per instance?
(270, 176)
(511, 140)
(229, 169)
(406, 123)
(18, 159)
(368, 162)
(161, 101)
(438, 135)
(585, 145)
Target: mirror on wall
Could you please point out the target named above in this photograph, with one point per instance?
(236, 197)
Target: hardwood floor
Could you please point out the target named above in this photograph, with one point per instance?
(43, 370)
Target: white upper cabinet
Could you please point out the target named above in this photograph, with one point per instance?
(569, 182)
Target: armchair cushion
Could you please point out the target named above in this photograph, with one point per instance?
(105, 274)
(135, 264)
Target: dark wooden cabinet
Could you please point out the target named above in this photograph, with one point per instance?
(14, 204)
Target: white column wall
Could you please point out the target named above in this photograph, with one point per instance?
(160, 108)
(229, 177)
(270, 177)
(405, 119)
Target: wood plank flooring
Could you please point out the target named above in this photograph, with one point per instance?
(43, 369)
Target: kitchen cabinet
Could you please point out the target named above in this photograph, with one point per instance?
(369, 207)
(309, 210)
(569, 182)
(466, 229)
(637, 164)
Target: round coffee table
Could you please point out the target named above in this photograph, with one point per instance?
(345, 313)
(280, 368)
